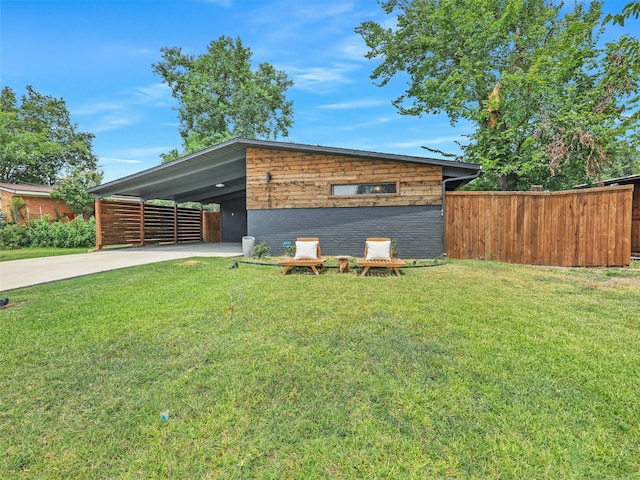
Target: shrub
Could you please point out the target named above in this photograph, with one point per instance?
(12, 236)
(261, 250)
(44, 233)
(289, 249)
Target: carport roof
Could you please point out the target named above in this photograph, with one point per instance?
(193, 178)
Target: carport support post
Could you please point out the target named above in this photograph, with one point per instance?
(98, 215)
(201, 223)
(175, 222)
(142, 222)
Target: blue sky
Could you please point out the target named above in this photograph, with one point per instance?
(97, 55)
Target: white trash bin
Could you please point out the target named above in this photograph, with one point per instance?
(247, 245)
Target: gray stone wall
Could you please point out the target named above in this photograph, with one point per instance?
(343, 231)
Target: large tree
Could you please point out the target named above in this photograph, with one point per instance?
(38, 141)
(550, 105)
(222, 97)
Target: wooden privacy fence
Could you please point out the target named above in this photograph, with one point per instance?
(635, 221)
(570, 228)
(127, 223)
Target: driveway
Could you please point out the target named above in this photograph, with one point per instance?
(33, 271)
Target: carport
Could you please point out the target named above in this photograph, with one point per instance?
(215, 175)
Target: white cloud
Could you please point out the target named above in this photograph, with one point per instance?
(117, 160)
(155, 95)
(145, 152)
(320, 78)
(353, 48)
(442, 140)
(104, 124)
(125, 109)
(355, 104)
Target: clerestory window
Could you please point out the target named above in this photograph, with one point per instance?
(364, 189)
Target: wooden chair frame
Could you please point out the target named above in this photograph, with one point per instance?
(393, 263)
(313, 264)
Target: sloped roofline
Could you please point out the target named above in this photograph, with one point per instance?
(629, 179)
(31, 189)
(234, 150)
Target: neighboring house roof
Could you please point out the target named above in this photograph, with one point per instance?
(29, 189)
(190, 178)
(628, 180)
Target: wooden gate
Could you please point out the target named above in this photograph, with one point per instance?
(211, 227)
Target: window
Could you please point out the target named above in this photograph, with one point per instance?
(364, 189)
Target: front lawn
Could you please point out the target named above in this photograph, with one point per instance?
(190, 369)
(24, 253)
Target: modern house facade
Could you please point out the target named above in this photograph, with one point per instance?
(277, 191)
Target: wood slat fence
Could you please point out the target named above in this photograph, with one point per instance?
(122, 223)
(635, 221)
(570, 228)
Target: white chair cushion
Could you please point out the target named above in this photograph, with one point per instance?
(306, 251)
(379, 250)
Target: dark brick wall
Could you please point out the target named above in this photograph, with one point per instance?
(342, 231)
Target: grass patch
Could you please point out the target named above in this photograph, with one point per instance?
(465, 370)
(23, 253)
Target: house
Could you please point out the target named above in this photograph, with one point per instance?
(278, 191)
(35, 202)
(635, 211)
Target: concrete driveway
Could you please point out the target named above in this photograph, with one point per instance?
(33, 271)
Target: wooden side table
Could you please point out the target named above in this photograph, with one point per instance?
(343, 263)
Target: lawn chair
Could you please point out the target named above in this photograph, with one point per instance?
(307, 255)
(378, 254)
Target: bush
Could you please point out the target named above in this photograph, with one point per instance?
(12, 236)
(261, 250)
(45, 233)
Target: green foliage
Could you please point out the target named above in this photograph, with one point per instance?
(17, 209)
(46, 233)
(631, 9)
(289, 249)
(549, 105)
(73, 189)
(222, 97)
(395, 251)
(38, 142)
(12, 236)
(261, 250)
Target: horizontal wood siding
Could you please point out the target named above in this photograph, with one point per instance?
(303, 180)
(125, 223)
(120, 223)
(189, 225)
(574, 228)
(342, 231)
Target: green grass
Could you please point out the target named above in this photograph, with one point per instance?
(23, 253)
(464, 370)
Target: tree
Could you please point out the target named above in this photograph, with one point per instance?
(72, 189)
(548, 104)
(38, 142)
(222, 97)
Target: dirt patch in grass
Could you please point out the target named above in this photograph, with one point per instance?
(615, 282)
(189, 263)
